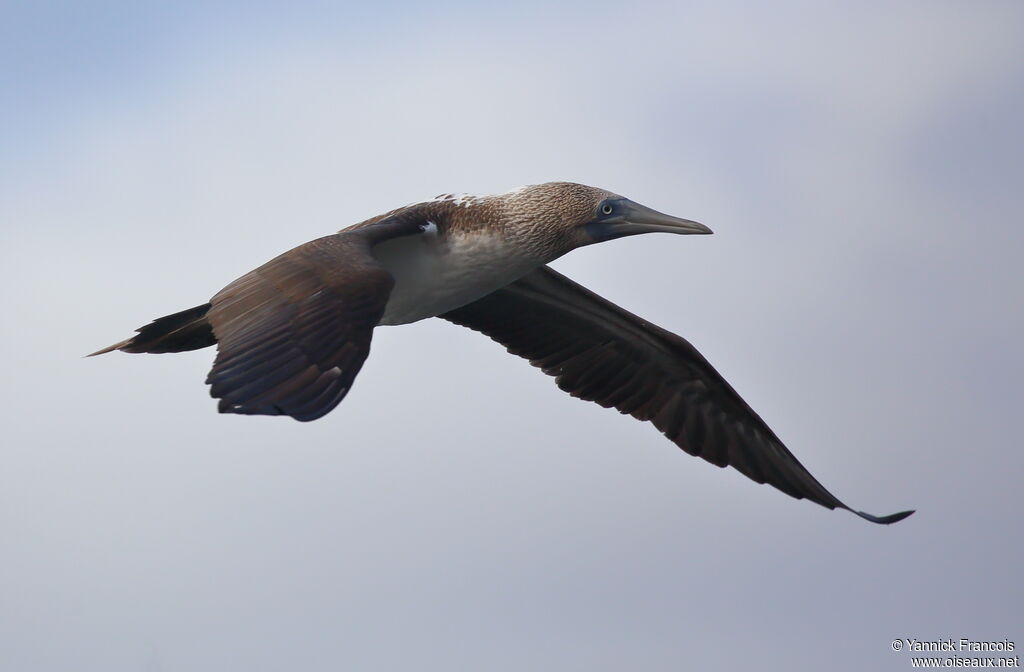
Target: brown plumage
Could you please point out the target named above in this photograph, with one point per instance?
(292, 334)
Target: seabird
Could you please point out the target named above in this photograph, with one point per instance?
(292, 334)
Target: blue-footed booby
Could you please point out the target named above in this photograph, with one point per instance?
(292, 334)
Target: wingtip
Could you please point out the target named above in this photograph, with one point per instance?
(885, 520)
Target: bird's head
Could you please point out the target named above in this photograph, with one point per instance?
(563, 216)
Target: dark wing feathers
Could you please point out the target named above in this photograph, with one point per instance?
(599, 352)
(293, 334)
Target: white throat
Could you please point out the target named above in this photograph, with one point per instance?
(434, 276)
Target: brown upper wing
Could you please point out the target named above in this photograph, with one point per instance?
(599, 352)
(293, 334)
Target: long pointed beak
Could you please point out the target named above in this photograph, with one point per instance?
(631, 219)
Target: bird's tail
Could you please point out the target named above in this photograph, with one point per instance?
(187, 330)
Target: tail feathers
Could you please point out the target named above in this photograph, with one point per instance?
(187, 330)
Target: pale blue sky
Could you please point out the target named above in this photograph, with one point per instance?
(860, 164)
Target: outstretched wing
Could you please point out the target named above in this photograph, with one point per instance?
(599, 352)
(293, 334)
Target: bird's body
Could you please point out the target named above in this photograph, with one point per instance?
(484, 243)
(435, 275)
(292, 334)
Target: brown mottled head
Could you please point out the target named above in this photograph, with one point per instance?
(561, 216)
(544, 220)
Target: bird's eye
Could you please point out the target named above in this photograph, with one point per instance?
(606, 209)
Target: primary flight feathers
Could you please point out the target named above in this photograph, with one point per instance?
(292, 334)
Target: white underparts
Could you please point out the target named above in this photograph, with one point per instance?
(433, 276)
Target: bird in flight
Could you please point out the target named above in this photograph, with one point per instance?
(292, 334)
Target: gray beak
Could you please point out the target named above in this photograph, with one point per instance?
(629, 219)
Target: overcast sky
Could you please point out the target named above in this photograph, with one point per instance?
(861, 164)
